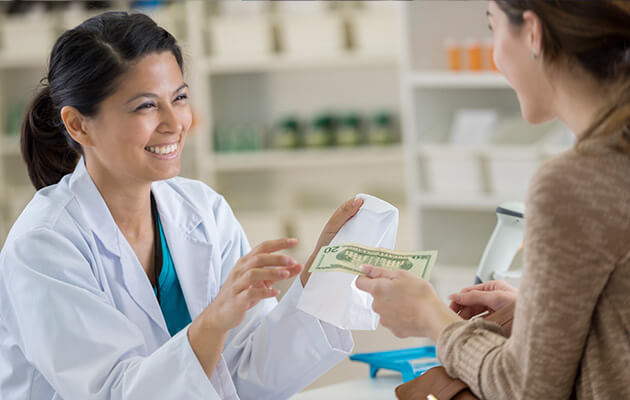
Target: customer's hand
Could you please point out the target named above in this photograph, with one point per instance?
(488, 296)
(338, 219)
(407, 305)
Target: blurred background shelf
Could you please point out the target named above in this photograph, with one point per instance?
(284, 63)
(11, 62)
(458, 202)
(458, 80)
(9, 144)
(297, 159)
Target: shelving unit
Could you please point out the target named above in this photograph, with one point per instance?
(260, 91)
(457, 222)
(300, 185)
(292, 188)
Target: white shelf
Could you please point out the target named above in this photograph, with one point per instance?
(487, 150)
(287, 63)
(458, 80)
(295, 159)
(458, 202)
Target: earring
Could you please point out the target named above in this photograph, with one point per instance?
(533, 56)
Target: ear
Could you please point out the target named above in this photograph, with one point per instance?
(77, 125)
(534, 32)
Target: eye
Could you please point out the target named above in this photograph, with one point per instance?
(181, 97)
(145, 106)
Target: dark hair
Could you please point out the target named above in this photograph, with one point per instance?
(596, 36)
(84, 68)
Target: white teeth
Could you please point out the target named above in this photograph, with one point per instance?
(163, 150)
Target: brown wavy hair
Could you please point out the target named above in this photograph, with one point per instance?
(596, 36)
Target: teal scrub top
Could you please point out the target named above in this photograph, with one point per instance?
(172, 300)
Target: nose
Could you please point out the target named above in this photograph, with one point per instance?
(170, 122)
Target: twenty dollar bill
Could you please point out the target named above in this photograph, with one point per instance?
(350, 257)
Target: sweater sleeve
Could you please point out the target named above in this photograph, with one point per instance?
(568, 260)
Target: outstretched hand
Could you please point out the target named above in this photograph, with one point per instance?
(407, 305)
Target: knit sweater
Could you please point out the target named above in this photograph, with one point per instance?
(571, 330)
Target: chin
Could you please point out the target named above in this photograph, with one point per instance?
(534, 114)
(168, 173)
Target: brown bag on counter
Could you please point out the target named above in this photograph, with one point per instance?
(435, 384)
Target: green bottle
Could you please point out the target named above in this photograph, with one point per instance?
(349, 132)
(321, 132)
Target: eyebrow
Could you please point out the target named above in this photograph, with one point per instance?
(185, 85)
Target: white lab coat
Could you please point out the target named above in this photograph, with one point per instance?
(79, 319)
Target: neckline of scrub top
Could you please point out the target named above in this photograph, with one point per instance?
(173, 304)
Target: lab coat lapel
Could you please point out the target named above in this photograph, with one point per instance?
(104, 228)
(139, 287)
(190, 248)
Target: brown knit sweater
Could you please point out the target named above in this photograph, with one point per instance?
(571, 332)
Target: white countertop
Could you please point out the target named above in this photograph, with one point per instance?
(380, 388)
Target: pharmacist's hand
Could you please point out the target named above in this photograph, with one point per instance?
(488, 296)
(250, 282)
(338, 219)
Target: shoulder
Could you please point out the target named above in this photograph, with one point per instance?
(581, 195)
(49, 209)
(581, 178)
(50, 226)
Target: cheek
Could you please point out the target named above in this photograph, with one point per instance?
(502, 56)
(186, 117)
(526, 78)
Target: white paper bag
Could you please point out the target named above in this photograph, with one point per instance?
(333, 296)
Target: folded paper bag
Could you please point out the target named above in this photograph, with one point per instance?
(333, 296)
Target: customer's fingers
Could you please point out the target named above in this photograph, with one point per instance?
(376, 272)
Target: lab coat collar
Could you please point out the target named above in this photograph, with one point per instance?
(98, 215)
(190, 247)
(101, 221)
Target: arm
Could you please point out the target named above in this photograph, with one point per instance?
(70, 332)
(277, 350)
(567, 264)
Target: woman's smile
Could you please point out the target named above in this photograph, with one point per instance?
(166, 151)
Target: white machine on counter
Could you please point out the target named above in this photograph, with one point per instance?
(505, 242)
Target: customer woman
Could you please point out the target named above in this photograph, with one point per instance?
(122, 281)
(571, 331)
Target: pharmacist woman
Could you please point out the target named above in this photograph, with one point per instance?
(122, 281)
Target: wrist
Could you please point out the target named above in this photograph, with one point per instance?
(440, 316)
(209, 322)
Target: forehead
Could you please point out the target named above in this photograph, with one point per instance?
(154, 72)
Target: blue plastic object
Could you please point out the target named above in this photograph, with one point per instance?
(411, 363)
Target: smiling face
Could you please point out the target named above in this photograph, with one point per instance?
(513, 49)
(140, 129)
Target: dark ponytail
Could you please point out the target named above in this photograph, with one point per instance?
(46, 147)
(85, 66)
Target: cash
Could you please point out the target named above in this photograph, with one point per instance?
(350, 257)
